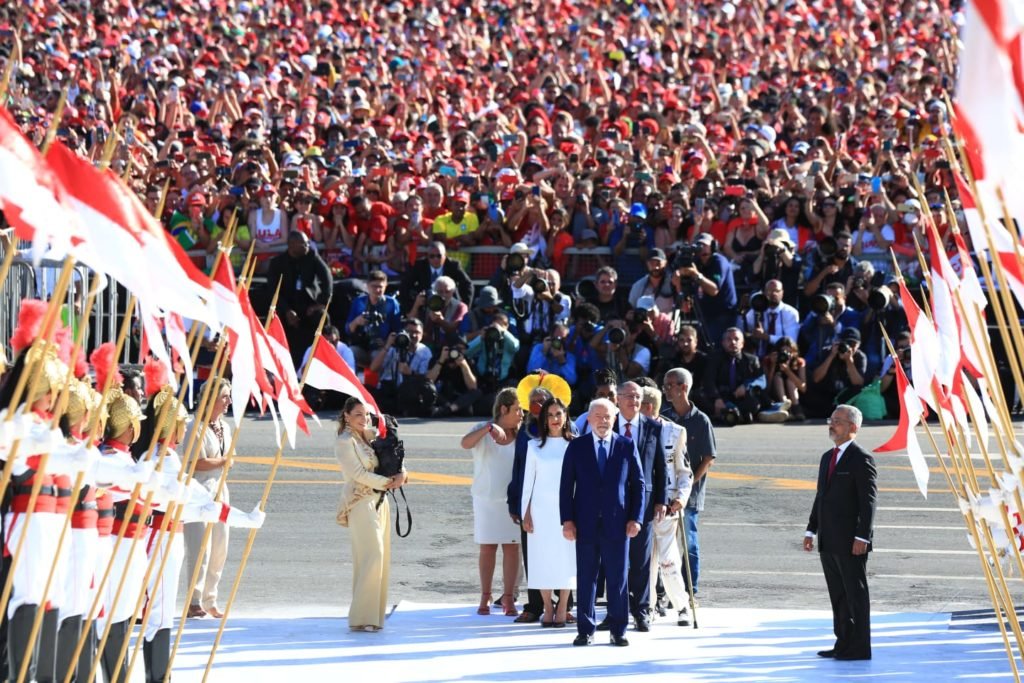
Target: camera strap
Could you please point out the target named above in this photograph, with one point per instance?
(398, 508)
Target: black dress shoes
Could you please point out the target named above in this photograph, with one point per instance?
(848, 657)
(582, 640)
(619, 641)
(605, 625)
(827, 653)
(642, 625)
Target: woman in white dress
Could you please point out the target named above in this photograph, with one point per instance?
(552, 559)
(493, 445)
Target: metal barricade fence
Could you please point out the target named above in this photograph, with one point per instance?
(28, 281)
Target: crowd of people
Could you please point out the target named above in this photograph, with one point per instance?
(715, 186)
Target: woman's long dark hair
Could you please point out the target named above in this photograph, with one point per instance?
(542, 420)
(146, 429)
(350, 403)
(11, 381)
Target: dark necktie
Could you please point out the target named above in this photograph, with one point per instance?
(732, 373)
(629, 430)
(772, 316)
(832, 465)
(434, 274)
(602, 456)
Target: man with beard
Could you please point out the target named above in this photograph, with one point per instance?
(655, 283)
(825, 271)
(728, 377)
(777, 321)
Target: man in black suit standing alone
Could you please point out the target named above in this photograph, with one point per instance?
(842, 517)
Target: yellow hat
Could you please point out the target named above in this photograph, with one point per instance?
(123, 412)
(176, 420)
(554, 384)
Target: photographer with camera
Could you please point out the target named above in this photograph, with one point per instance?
(537, 303)
(888, 385)
(686, 354)
(778, 260)
(553, 356)
(492, 352)
(730, 381)
(512, 264)
(403, 360)
(839, 376)
(656, 283)
(456, 384)
(770, 318)
(829, 316)
(786, 375)
(704, 280)
(884, 311)
(441, 312)
(830, 262)
(586, 324)
(618, 351)
(861, 284)
(372, 318)
(422, 275)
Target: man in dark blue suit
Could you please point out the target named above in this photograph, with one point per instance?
(646, 436)
(601, 504)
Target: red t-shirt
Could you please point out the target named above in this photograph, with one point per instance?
(376, 226)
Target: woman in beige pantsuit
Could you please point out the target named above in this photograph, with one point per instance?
(370, 525)
(210, 468)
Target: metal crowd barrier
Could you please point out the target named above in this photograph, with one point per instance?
(28, 281)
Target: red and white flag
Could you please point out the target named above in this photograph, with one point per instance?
(905, 437)
(124, 241)
(990, 92)
(240, 346)
(925, 349)
(329, 372)
(290, 402)
(32, 197)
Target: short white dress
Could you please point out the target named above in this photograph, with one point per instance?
(492, 472)
(552, 559)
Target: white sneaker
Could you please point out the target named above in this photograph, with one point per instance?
(684, 616)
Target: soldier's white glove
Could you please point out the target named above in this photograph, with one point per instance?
(142, 471)
(246, 520)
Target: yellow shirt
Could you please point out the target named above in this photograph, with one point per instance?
(451, 230)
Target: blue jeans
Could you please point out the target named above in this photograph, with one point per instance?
(692, 546)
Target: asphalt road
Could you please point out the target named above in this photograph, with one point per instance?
(758, 500)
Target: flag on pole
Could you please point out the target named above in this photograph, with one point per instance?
(32, 196)
(905, 437)
(925, 349)
(328, 372)
(240, 346)
(290, 402)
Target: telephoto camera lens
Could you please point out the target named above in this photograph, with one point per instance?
(557, 345)
(435, 303)
(616, 335)
(402, 341)
(843, 347)
(454, 354)
(492, 335)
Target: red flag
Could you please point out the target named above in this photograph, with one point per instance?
(124, 241)
(290, 402)
(329, 372)
(925, 349)
(905, 437)
(243, 365)
(31, 195)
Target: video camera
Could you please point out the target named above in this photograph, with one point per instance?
(686, 256)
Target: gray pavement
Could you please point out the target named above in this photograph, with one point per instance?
(759, 496)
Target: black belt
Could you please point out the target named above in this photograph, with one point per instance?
(89, 505)
(43, 491)
(106, 513)
(63, 493)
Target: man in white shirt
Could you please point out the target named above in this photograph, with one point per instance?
(777, 321)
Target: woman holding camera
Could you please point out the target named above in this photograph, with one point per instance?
(493, 446)
(369, 521)
(786, 373)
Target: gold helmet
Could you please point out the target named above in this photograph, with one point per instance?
(177, 417)
(42, 363)
(554, 384)
(123, 412)
(80, 401)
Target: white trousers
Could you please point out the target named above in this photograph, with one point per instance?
(667, 557)
(163, 587)
(80, 573)
(39, 553)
